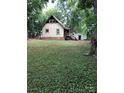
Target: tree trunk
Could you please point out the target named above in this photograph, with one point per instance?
(93, 50)
(95, 6)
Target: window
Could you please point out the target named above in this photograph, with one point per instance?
(51, 21)
(52, 1)
(47, 30)
(57, 31)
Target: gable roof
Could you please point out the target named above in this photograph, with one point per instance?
(53, 17)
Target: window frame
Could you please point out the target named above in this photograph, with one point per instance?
(57, 31)
(52, 21)
(47, 30)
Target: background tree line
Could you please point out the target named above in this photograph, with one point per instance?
(77, 14)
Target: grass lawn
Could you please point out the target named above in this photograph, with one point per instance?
(60, 67)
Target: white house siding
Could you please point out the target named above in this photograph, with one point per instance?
(52, 30)
(82, 36)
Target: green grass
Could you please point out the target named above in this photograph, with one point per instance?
(60, 67)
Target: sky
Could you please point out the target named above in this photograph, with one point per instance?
(50, 5)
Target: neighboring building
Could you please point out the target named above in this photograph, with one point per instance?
(80, 36)
(54, 29)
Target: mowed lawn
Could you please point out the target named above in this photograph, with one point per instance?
(60, 67)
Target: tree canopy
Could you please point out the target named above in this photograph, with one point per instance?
(33, 9)
(79, 15)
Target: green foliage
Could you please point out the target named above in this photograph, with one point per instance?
(74, 17)
(91, 19)
(60, 67)
(78, 15)
(83, 4)
(48, 13)
(33, 9)
(91, 22)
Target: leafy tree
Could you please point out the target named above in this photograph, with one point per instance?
(33, 9)
(73, 16)
(91, 21)
(82, 13)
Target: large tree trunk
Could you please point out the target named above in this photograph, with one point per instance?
(95, 6)
(93, 50)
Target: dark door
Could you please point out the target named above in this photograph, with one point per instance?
(79, 37)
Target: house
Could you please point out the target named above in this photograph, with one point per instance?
(54, 29)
